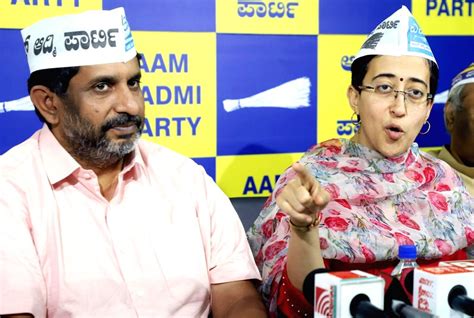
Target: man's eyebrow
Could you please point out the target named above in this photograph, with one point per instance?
(103, 78)
(112, 79)
(137, 76)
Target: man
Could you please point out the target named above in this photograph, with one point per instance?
(97, 223)
(459, 121)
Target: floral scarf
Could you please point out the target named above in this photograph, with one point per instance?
(377, 204)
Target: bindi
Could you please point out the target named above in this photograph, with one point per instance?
(401, 79)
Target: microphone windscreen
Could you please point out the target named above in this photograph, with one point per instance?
(308, 284)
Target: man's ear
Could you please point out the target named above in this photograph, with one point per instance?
(353, 97)
(46, 103)
(449, 116)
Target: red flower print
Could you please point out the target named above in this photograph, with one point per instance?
(397, 159)
(333, 190)
(334, 212)
(440, 187)
(469, 235)
(364, 197)
(410, 158)
(336, 223)
(369, 255)
(332, 150)
(402, 239)
(438, 200)
(414, 175)
(323, 243)
(344, 203)
(259, 258)
(388, 177)
(380, 224)
(267, 228)
(277, 267)
(345, 259)
(328, 164)
(353, 162)
(280, 214)
(443, 246)
(405, 220)
(274, 249)
(350, 169)
(429, 174)
(332, 143)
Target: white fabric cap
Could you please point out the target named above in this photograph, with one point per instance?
(465, 77)
(88, 38)
(397, 35)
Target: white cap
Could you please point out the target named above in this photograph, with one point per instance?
(465, 77)
(88, 38)
(398, 35)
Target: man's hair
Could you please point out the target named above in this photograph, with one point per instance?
(55, 79)
(455, 98)
(359, 69)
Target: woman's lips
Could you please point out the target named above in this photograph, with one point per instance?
(394, 132)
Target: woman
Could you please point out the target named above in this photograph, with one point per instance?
(349, 204)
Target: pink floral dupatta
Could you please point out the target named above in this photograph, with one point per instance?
(377, 204)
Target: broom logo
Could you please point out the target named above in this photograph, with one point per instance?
(293, 94)
(441, 98)
(22, 104)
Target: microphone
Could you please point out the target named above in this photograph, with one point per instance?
(344, 294)
(458, 300)
(308, 284)
(445, 291)
(361, 307)
(403, 310)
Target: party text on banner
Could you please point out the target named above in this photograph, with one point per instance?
(251, 175)
(21, 13)
(267, 17)
(178, 85)
(445, 17)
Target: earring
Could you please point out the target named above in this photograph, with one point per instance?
(428, 129)
(356, 122)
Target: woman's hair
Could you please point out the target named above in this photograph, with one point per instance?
(359, 69)
(55, 79)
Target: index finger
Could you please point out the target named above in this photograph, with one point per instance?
(305, 176)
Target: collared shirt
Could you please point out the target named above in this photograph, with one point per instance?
(466, 173)
(153, 250)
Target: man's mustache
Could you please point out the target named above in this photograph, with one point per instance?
(121, 120)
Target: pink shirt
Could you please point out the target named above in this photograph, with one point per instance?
(153, 250)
